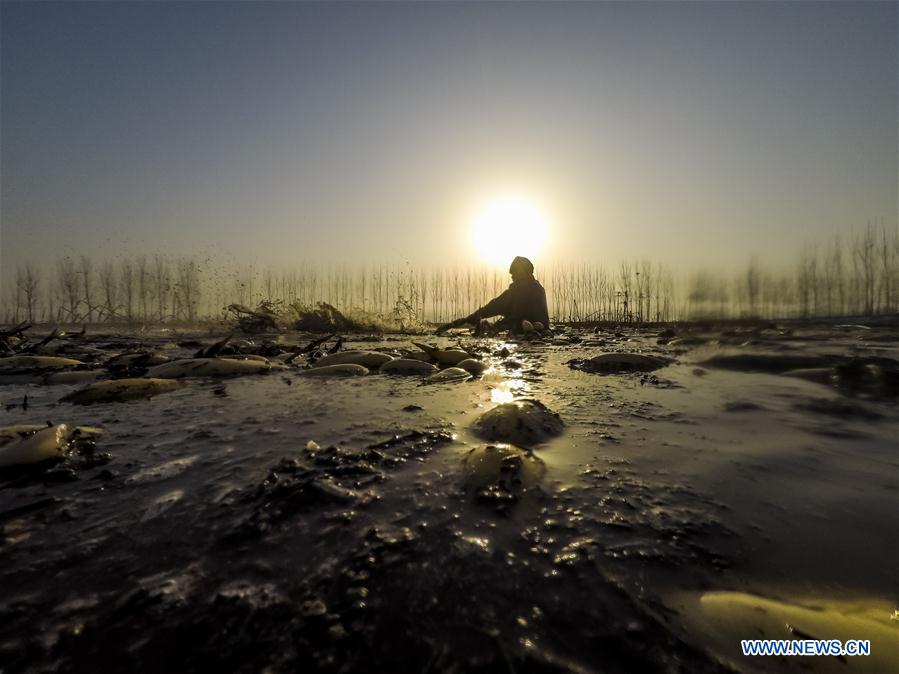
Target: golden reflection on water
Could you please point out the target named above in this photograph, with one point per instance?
(500, 396)
(507, 390)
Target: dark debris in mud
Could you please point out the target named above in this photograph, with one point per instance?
(366, 556)
(80, 455)
(418, 593)
(500, 476)
(401, 600)
(292, 487)
(671, 526)
(657, 382)
(322, 478)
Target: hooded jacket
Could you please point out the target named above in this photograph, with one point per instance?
(524, 299)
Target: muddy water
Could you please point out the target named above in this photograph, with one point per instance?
(217, 538)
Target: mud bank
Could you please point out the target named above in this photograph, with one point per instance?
(275, 521)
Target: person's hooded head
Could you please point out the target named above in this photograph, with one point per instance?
(521, 268)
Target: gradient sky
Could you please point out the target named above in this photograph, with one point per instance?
(690, 133)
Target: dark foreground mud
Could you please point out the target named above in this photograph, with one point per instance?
(285, 523)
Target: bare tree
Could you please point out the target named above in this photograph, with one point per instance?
(67, 277)
(268, 282)
(161, 283)
(753, 282)
(143, 285)
(805, 280)
(27, 283)
(647, 279)
(109, 285)
(624, 281)
(864, 253)
(126, 275)
(887, 271)
(894, 269)
(813, 278)
(51, 304)
(189, 287)
(20, 295)
(833, 278)
(707, 296)
(87, 270)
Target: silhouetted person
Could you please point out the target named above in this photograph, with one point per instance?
(525, 300)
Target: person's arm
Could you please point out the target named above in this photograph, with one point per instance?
(458, 323)
(495, 307)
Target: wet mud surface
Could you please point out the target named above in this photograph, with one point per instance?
(280, 522)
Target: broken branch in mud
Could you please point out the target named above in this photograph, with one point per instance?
(250, 320)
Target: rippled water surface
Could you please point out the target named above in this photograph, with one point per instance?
(217, 538)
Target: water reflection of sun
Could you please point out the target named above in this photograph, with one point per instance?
(505, 391)
(507, 227)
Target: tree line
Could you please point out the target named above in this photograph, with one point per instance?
(846, 275)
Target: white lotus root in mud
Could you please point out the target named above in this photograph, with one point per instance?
(450, 374)
(244, 356)
(445, 357)
(407, 366)
(47, 443)
(688, 341)
(523, 423)
(339, 370)
(18, 431)
(418, 355)
(736, 614)
(209, 367)
(533, 329)
(33, 369)
(370, 359)
(36, 363)
(609, 363)
(475, 367)
(124, 360)
(121, 390)
(512, 469)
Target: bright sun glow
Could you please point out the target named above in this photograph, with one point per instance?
(508, 227)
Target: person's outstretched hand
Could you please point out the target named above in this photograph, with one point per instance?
(446, 326)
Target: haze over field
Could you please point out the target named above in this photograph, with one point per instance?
(256, 419)
(690, 134)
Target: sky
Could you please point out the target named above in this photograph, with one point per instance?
(695, 134)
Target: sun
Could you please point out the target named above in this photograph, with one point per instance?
(507, 227)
